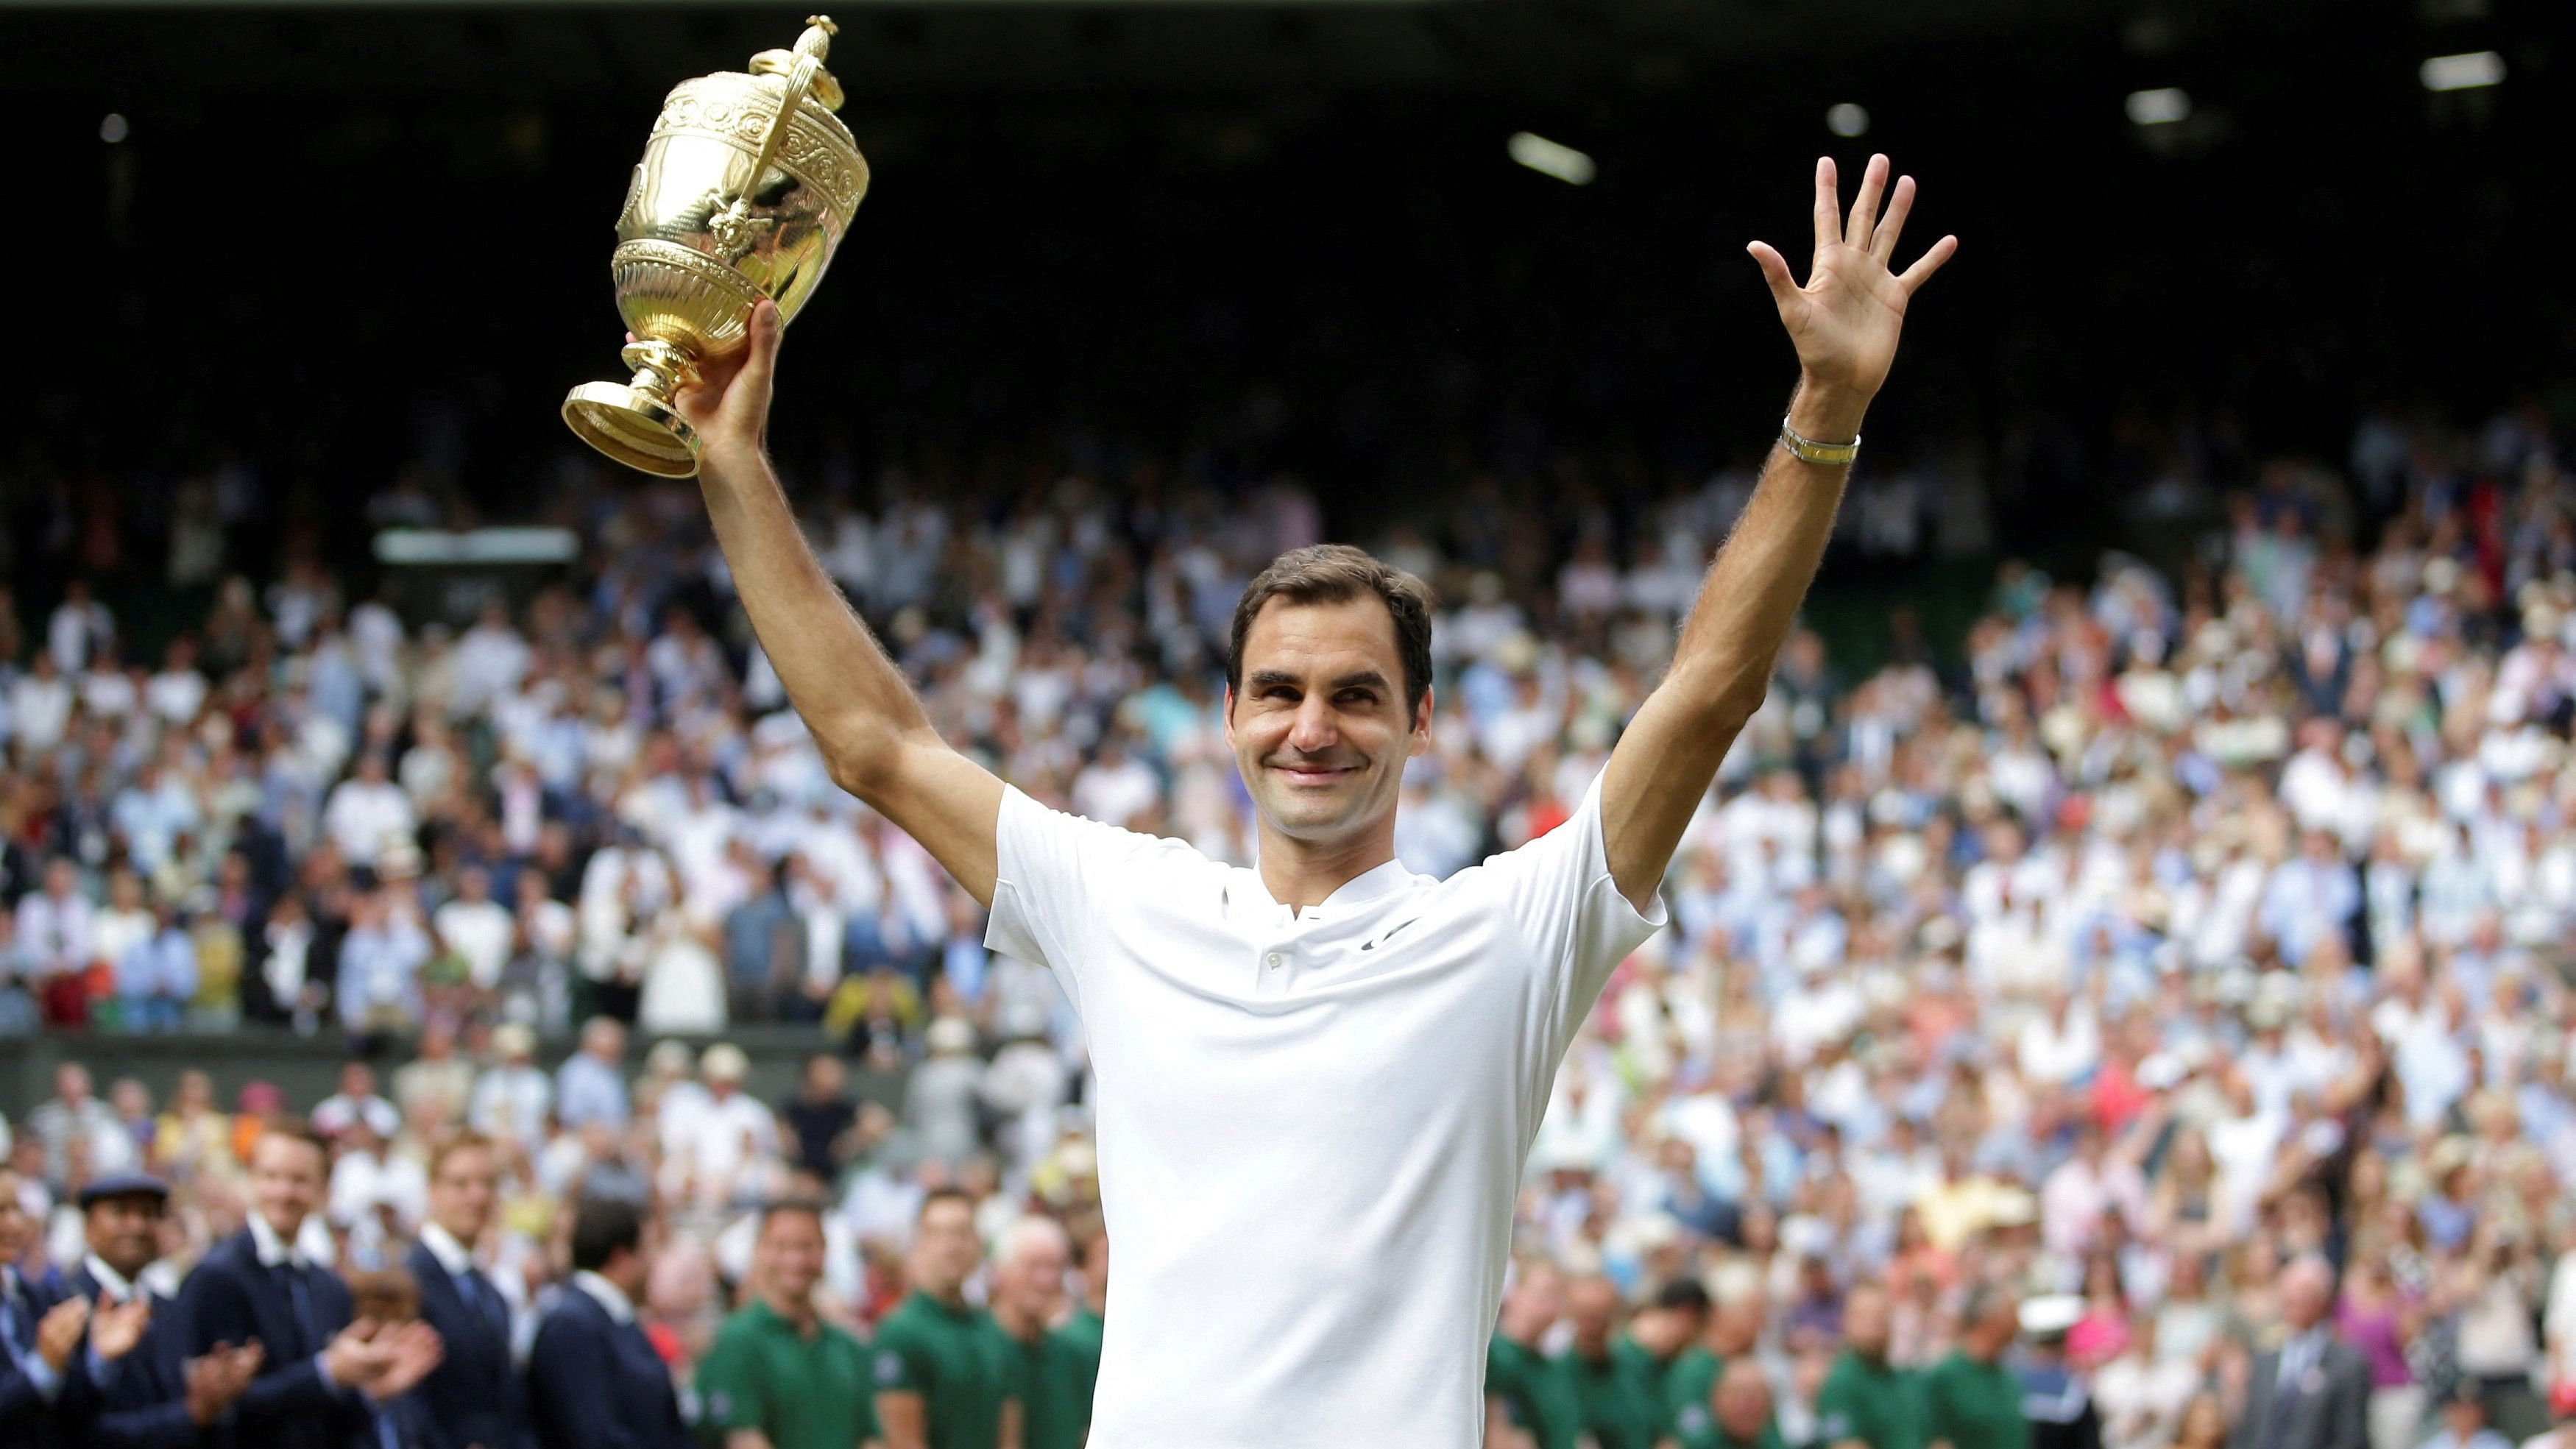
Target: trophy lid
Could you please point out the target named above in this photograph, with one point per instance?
(815, 42)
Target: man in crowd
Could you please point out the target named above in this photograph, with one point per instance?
(778, 1375)
(1530, 1402)
(594, 1380)
(40, 1335)
(1619, 1408)
(473, 1399)
(320, 1373)
(1054, 1370)
(1083, 1328)
(1867, 1403)
(148, 1397)
(1734, 1327)
(1972, 1398)
(2313, 1392)
(1740, 1415)
(942, 1374)
(1655, 1339)
(591, 1084)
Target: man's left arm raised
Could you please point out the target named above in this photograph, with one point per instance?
(1845, 321)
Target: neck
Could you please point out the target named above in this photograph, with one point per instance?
(1301, 873)
(799, 1312)
(952, 1294)
(1022, 1326)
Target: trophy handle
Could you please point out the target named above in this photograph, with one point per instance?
(801, 78)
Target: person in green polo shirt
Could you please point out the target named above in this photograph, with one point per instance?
(1530, 1402)
(1054, 1378)
(1656, 1337)
(944, 1378)
(1734, 1327)
(1866, 1402)
(1740, 1406)
(1972, 1399)
(777, 1376)
(1090, 1316)
(1620, 1404)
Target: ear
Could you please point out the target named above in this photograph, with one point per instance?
(1420, 743)
(1229, 716)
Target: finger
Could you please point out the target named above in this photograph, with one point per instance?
(1775, 270)
(1864, 212)
(762, 358)
(1829, 205)
(1882, 240)
(1928, 263)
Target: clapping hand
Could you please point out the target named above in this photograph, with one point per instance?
(1846, 318)
(116, 1329)
(218, 1378)
(59, 1332)
(411, 1350)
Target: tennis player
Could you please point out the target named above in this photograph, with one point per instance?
(1319, 1077)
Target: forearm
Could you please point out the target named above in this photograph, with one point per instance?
(854, 698)
(1722, 663)
(1722, 666)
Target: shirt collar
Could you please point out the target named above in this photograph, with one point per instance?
(1381, 880)
(452, 1255)
(273, 1249)
(607, 1295)
(112, 1285)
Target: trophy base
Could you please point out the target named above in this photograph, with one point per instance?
(634, 428)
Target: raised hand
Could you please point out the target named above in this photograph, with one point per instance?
(729, 406)
(353, 1358)
(1845, 320)
(115, 1330)
(59, 1332)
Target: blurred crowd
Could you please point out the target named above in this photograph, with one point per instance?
(2162, 991)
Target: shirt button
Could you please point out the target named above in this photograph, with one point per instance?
(1271, 960)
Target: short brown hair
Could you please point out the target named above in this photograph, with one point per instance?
(463, 1139)
(1335, 573)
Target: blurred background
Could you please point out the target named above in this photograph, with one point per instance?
(2155, 863)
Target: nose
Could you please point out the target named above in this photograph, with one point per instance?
(1313, 731)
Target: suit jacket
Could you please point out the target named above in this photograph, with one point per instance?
(142, 1401)
(595, 1383)
(2328, 1407)
(474, 1397)
(27, 1416)
(232, 1297)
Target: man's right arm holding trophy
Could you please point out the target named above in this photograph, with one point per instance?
(871, 729)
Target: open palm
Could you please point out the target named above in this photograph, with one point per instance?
(1846, 319)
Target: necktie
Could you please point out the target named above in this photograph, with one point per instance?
(487, 1301)
(17, 1322)
(299, 1294)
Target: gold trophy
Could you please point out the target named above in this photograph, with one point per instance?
(746, 187)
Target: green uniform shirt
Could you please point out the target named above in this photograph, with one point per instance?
(1054, 1389)
(956, 1360)
(1620, 1405)
(1718, 1438)
(1973, 1405)
(1687, 1385)
(1869, 1401)
(1650, 1371)
(1083, 1331)
(1540, 1397)
(802, 1392)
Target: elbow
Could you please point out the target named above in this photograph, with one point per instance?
(861, 759)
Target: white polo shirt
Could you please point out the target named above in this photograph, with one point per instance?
(1312, 1125)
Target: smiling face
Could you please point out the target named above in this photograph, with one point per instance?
(1319, 725)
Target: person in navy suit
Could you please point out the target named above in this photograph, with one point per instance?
(594, 1380)
(41, 1386)
(320, 1373)
(473, 1399)
(146, 1396)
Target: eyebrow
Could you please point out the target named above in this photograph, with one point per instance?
(1261, 677)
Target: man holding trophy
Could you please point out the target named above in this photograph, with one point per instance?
(1319, 1077)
